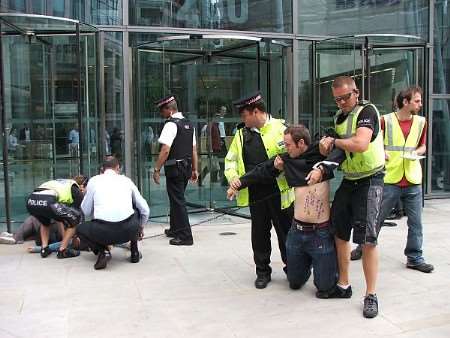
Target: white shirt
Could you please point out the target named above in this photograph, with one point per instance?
(110, 197)
(169, 132)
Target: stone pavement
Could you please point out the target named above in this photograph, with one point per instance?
(207, 290)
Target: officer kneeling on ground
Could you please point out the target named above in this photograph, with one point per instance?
(59, 200)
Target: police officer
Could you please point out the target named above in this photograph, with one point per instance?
(178, 154)
(59, 200)
(271, 203)
(357, 201)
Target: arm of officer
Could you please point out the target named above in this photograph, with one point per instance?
(194, 176)
(231, 159)
(262, 172)
(87, 205)
(140, 203)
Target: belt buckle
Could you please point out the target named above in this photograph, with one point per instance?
(300, 227)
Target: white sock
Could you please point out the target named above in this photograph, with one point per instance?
(345, 287)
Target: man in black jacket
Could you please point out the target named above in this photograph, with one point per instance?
(309, 241)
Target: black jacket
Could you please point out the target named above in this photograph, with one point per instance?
(295, 169)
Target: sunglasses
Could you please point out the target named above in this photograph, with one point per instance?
(343, 97)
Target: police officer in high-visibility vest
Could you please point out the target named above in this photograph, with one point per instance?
(357, 201)
(59, 200)
(270, 204)
(404, 143)
(178, 154)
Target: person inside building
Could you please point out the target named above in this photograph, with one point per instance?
(118, 212)
(58, 200)
(357, 201)
(404, 143)
(270, 203)
(178, 155)
(309, 242)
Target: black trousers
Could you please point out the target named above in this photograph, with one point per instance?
(265, 213)
(177, 177)
(98, 234)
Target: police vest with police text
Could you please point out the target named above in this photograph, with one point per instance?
(63, 189)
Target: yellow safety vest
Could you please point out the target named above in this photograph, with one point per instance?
(395, 146)
(367, 163)
(272, 136)
(63, 189)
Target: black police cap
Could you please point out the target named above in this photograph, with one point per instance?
(248, 100)
(165, 100)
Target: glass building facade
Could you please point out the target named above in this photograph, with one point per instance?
(79, 78)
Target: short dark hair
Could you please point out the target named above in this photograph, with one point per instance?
(299, 132)
(407, 94)
(110, 162)
(260, 105)
(342, 81)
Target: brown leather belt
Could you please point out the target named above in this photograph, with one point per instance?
(305, 226)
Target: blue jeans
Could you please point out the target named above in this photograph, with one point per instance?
(411, 197)
(306, 249)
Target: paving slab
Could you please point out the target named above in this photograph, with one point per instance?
(207, 290)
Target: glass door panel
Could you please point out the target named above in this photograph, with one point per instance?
(206, 75)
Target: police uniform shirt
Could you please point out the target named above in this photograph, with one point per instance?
(110, 197)
(170, 130)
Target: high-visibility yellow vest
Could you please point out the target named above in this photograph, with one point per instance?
(272, 136)
(395, 146)
(63, 189)
(367, 163)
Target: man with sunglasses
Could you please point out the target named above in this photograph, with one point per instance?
(357, 201)
(270, 203)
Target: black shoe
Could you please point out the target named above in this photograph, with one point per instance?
(262, 281)
(356, 253)
(335, 292)
(294, 286)
(169, 233)
(45, 252)
(68, 253)
(135, 256)
(177, 241)
(395, 214)
(102, 260)
(370, 309)
(422, 267)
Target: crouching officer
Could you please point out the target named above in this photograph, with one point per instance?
(59, 200)
(178, 154)
(271, 203)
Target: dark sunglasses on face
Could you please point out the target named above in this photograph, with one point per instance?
(343, 97)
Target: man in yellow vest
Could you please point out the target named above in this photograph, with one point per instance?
(59, 200)
(271, 203)
(357, 202)
(404, 143)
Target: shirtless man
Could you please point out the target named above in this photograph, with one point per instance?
(309, 243)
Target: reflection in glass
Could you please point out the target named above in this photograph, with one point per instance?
(255, 15)
(440, 168)
(344, 17)
(441, 67)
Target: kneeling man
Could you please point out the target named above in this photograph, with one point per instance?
(309, 243)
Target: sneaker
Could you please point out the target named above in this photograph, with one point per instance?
(370, 309)
(7, 240)
(422, 267)
(6, 234)
(45, 252)
(68, 253)
(356, 253)
(335, 292)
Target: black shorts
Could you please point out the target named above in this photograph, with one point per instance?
(45, 208)
(357, 205)
(38, 205)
